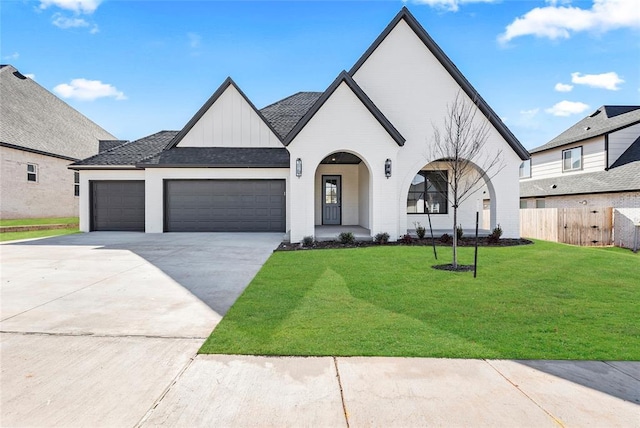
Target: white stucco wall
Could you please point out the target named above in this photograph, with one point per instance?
(343, 124)
(52, 195)
(86, 176)
(412, 89)
(230, 122)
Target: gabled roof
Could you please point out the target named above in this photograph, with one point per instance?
(344, 77)
(130, 153)
(283, 115)
(228, 81)
(422, 34)
(623, 176)
(219, 157)
(603, 121)
(35, 120)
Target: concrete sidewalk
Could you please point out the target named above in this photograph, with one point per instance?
(102, 330)
(250, 391)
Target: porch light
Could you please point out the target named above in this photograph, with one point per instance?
(298, 167)
(387, 168)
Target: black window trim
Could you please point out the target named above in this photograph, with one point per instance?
(424, 172)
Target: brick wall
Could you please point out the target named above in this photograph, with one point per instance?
(52, 195)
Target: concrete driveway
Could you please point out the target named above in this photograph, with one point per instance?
(95, 327)
(102, 329)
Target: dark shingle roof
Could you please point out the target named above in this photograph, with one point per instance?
(131, 153)
(220, 157)
(603, 121)
(283, 115)
(624, 175)
(34, 119)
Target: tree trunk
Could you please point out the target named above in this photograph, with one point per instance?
(454, 263)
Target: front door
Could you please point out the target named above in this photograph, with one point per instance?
(331, 199)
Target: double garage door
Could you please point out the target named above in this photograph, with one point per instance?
(194, 205)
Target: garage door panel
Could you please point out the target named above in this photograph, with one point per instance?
(117, 205)
(225, 205)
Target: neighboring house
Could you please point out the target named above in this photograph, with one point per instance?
(595, 163)
(40, 135)
(356, 154)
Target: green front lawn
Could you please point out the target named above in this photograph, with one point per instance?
(14, 236)
(542, 301)
(39, 221)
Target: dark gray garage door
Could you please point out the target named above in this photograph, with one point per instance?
(224, 205)
(117, 205)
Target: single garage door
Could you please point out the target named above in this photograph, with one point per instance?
(117, 205)
(224, 205)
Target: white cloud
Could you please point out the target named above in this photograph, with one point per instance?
(558, 22)
(88, 90)
(31, 76)
(64, 22)
(567, 108)
(77, 6)
(563, 87)
(529, 113)
(609, 80)
(450, 5)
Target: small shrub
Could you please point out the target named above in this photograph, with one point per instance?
(308, 241)
(446, 238)
(346, 238)
(459, 232)
(406, 239)
(494, 237)
(420, 231)
(381, 238)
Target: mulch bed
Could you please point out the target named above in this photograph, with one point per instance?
(464, 242)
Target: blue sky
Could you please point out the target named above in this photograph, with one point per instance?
(137, 67)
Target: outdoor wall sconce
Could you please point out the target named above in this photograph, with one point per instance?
(298, 167)
(387, 168)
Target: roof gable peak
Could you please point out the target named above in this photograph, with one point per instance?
(228, 82)
(346, 78)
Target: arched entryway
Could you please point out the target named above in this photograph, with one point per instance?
(342, 196)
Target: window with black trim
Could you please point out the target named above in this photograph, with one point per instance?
(428, 191)
(76, 183)
(525, 169)
(32, 172)
(572, 159)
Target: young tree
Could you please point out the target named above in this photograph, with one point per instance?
(460, 148)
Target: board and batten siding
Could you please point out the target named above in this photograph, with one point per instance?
(548, 164)
(230, 122)
(620, 141)
(413, 89)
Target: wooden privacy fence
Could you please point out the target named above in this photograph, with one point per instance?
(577, 226)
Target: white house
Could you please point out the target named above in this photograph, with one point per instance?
(357, 154)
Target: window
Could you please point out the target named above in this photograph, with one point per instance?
(428, 191)
(525, 169)
(539, 203)
(32, 172)
(572, 159)
(76, 183)
(523, 203)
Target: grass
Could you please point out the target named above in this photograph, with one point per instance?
(542, 301)
(14, 236)
(39, 221)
